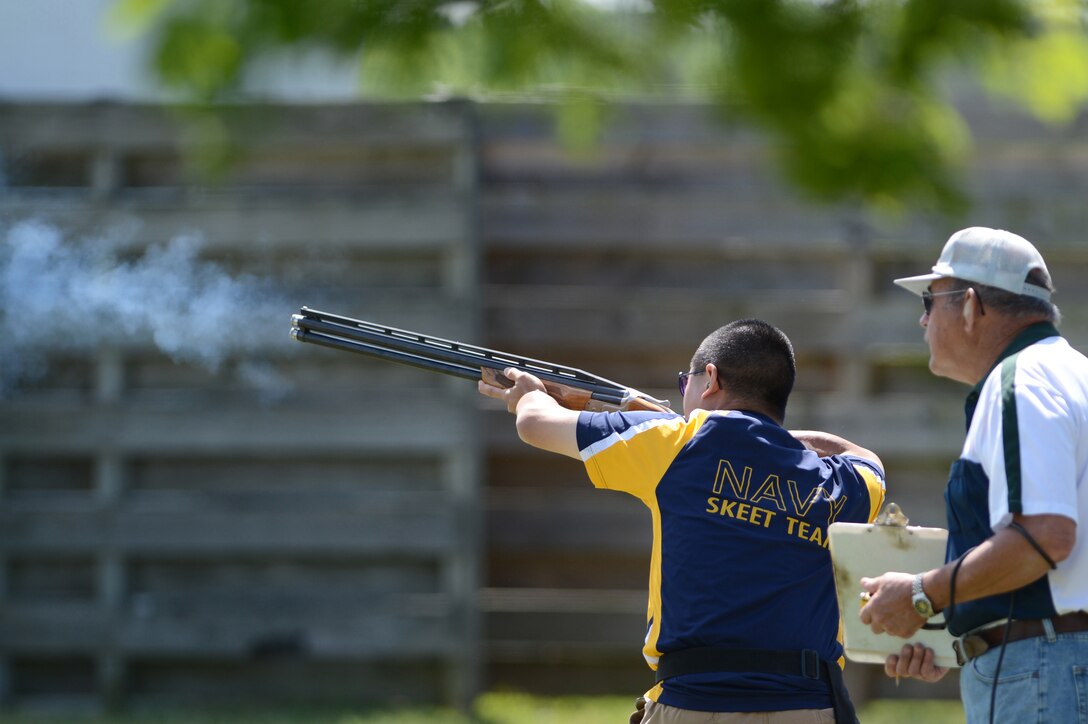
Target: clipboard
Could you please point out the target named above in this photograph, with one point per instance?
(867, 550)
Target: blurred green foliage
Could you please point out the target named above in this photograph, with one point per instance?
(852, 92)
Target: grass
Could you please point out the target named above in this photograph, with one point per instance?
(493, 708)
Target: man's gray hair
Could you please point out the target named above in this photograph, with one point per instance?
(1015, 305)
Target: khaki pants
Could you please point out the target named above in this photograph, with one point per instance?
(661, 714)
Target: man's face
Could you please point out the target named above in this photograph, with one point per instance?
(943, 326)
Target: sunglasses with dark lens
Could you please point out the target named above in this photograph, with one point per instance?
(927, 297)
(682, 379)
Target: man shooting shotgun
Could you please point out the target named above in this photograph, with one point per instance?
(572, 388)
(742, 619)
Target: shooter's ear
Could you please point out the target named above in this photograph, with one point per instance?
(712, 382)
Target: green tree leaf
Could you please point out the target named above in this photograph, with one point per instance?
(850, 92)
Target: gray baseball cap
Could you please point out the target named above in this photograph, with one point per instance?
(994, 257)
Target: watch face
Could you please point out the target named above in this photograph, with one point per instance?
(923, 607)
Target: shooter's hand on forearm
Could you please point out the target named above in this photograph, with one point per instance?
(521, 384)
(541, 421)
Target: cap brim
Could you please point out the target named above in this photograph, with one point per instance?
(918, 284)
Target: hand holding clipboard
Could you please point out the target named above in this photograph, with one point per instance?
(868, 550)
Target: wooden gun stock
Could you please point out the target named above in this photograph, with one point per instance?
(572, 388)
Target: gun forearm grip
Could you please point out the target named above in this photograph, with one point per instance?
(569, 397)
(642, 404)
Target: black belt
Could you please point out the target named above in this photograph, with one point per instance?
(976, 644)
(804, 662)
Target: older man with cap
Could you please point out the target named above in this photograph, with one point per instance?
(1015, 585)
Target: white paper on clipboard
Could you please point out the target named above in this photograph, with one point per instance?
(859, 550)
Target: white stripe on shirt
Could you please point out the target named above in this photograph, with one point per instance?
(616, 437)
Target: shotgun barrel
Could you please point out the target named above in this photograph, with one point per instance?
(457, 358)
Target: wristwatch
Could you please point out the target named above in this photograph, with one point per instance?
(922, 605)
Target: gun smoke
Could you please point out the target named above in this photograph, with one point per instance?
(65, 297)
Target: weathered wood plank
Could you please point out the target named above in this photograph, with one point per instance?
(565, 569)
(381, 425)
(405, 222)
(400, 633)
(65, 125)
(554, 631)
(640, 219)
(593, 521)
(1052, 165)
(629, 123)
(237, 684)
(426, 527)
(186, 483)
(555, 600)
(737, 170)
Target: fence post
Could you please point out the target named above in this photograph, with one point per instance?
(109, 488)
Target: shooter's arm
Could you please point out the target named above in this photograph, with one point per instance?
(541, 421)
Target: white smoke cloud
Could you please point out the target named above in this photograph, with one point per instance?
(58, 295)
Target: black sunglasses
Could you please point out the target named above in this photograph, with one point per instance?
(682, 379)
(927, 297)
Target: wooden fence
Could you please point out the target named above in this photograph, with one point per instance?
(169, 533)
(377, 534)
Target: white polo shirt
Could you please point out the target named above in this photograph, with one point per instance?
(1034, 406)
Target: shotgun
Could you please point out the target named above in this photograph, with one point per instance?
(572, 388)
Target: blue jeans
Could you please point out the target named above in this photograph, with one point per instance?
(1043, 679)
